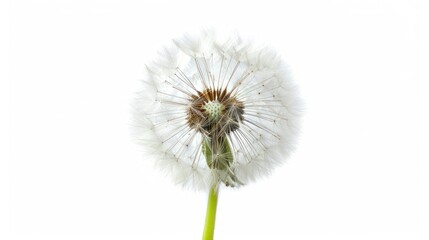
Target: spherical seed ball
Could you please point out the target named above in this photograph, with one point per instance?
(213, 110)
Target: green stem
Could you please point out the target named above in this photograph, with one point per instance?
(211, 213)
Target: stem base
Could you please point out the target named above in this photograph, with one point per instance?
(211, 213)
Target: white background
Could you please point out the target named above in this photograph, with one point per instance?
(70, 171)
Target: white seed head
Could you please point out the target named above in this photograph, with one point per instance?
(214, 110)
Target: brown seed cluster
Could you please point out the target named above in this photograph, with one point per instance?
(231, 112)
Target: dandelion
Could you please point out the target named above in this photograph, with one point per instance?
(217, 112)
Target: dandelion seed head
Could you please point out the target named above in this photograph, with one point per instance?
(213, 110)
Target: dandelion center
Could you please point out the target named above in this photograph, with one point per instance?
(214, 109)
(215, 112)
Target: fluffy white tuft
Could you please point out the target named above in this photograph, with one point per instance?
(255, 75)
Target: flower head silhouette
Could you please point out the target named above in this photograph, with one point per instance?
(217, 111)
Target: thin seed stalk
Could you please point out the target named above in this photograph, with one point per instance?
(216, 163)
(211, 213)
